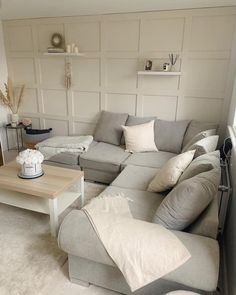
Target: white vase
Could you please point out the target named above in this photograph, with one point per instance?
(14, 120)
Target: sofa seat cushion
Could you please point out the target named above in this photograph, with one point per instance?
(135, 177)
(104, 157)
(149, 159)
(77, 237)
(142, 204)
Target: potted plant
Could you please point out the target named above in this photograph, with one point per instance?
(11, 100)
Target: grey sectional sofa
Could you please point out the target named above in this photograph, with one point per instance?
(130, 174)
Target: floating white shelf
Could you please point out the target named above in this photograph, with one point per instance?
(63, 54)
(159, 73)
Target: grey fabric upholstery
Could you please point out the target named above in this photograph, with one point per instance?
(205, 145)
(135, 177)
(196, 127)
(169, 135)
(99, 176)
(108, 128)
(104, 157)
(133, 120)
(77, 237)
(66, 158)
(150, 159)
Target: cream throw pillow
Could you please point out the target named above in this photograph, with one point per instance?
(140, 138)
(170, 173)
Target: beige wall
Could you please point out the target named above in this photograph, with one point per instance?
(116, 47)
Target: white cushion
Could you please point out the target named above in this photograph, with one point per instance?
(205, 145)
(197, 137)
(170, 173)
(140, 138)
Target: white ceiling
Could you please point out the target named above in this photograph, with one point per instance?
(18, 9)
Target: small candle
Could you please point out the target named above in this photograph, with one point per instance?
(76, 49)
(72, 47)
(68, 48)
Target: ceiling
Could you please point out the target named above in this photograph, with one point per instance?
(18, 9)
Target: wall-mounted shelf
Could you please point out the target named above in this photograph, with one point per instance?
(159, 73)
(63, 54)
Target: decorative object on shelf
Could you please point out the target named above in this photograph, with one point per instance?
(72, 48)
(26, 122)
(173, 59)
(148, 65)
(68, 76)
(30, 161)
(166, 67)
(57, 44)
(11, 100)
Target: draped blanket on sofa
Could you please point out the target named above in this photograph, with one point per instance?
(143, 251)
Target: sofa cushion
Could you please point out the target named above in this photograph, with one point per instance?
(205, 145)
(149, 159)
(142, 204)
(188, 200)
(140, 138)
(199, 136)
(135, 177)
(104, 157)
(169, 135)
(108, 128)
(201, 164)
(169, 174)
(196, 127)
(133, 120)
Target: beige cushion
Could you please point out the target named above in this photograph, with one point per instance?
(199, 136)
(205, 145)
(140, 138)
(188, 200)
(170, 173)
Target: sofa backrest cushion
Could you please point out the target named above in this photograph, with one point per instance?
(196, 127)
(188, 200)
(205, 145)
(169, 135)
(109, 128)
(133, 120)
(201, 164)
(197, 137)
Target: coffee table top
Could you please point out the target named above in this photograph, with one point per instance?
(54, 181)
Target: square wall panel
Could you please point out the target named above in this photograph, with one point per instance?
(202, 109)
(55, 102)
(162, 34)
(59, 127)
(86, 104)
(30, 101)
(85, 73)
(52, 72)
(20, 38)
(121, 103)
(45, 33)
(155, 83)
(208, 75)
(22, 70)
(120, 35)
(163, 107)
(212, 33)
(85, 35)
(82, 128)
(121, 72)
(35, 123)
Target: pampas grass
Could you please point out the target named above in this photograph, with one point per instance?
(10, 99)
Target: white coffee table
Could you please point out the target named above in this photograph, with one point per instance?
(51, 193)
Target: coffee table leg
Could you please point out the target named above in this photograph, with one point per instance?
(53, 216)
(82, 191)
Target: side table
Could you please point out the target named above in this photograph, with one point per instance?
(19, 135)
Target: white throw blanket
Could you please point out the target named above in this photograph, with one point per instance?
(59, 144)
(143, 251)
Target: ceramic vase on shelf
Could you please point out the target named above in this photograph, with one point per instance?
(14, 120)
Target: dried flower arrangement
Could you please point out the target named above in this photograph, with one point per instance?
(9, 99)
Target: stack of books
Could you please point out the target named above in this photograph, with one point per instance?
(55, 50)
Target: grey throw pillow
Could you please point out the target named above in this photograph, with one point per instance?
(169, 135)
(205, 145)
(201, 164)
(188, 200)
(199, 136)
(109, 128)
(195, 127)
(133, 120)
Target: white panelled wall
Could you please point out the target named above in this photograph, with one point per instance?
(116, 47)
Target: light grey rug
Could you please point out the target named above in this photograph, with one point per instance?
(30, 261)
